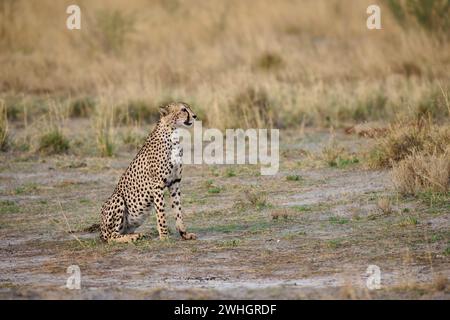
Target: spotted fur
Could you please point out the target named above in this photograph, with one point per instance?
(143, 183)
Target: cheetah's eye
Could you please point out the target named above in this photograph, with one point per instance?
(184, 109)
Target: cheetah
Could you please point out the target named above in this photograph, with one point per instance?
(157, 166)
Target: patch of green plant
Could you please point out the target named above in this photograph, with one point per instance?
(338, 220)
(436, 238)
(211, 187)
(447, 251)
(342, 162)
(295, 177)
(26, 188)
(409, 221)
(53, 142)
(105, 144)
(7, 206)
(303, 208)
(230, 172)
(214, 190)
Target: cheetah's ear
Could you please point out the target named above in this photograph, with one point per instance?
(164, 110)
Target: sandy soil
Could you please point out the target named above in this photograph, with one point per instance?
(327, 230)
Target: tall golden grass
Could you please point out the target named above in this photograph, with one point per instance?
(313, 61)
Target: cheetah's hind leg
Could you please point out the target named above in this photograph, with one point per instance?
(113, 225)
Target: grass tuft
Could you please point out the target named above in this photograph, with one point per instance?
(402, 140)
(53, 142)
(4, 134)
(419, 173)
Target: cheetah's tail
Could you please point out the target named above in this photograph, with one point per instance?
(93, 228)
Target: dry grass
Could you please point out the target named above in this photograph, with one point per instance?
(422, 173)
(384, 204)
(104, 131)
(4, 135)
(440, 282)
(404, 139)
(239, 63)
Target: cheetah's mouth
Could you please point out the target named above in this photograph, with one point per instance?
(188, 121)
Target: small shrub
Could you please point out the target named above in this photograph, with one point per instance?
(402, 140)
(384, 205)
(53, 142)
(254, 199)
(336, 156)
(105, 144)
(230, 173)
(82, 107)
(257, 199)
(409, 221)
(211, 187)
(103, 122)
(331, 152)
(295, 177)
(421, 173)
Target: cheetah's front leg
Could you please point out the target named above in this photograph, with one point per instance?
(175, 196)
(160, 214)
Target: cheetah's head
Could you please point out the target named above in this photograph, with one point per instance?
(179, 113)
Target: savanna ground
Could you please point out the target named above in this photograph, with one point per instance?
(364, 152)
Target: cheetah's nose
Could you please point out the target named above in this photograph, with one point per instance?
(194, 116)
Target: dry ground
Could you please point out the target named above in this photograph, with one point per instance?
(328, 230)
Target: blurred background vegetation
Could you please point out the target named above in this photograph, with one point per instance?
(285, 64)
